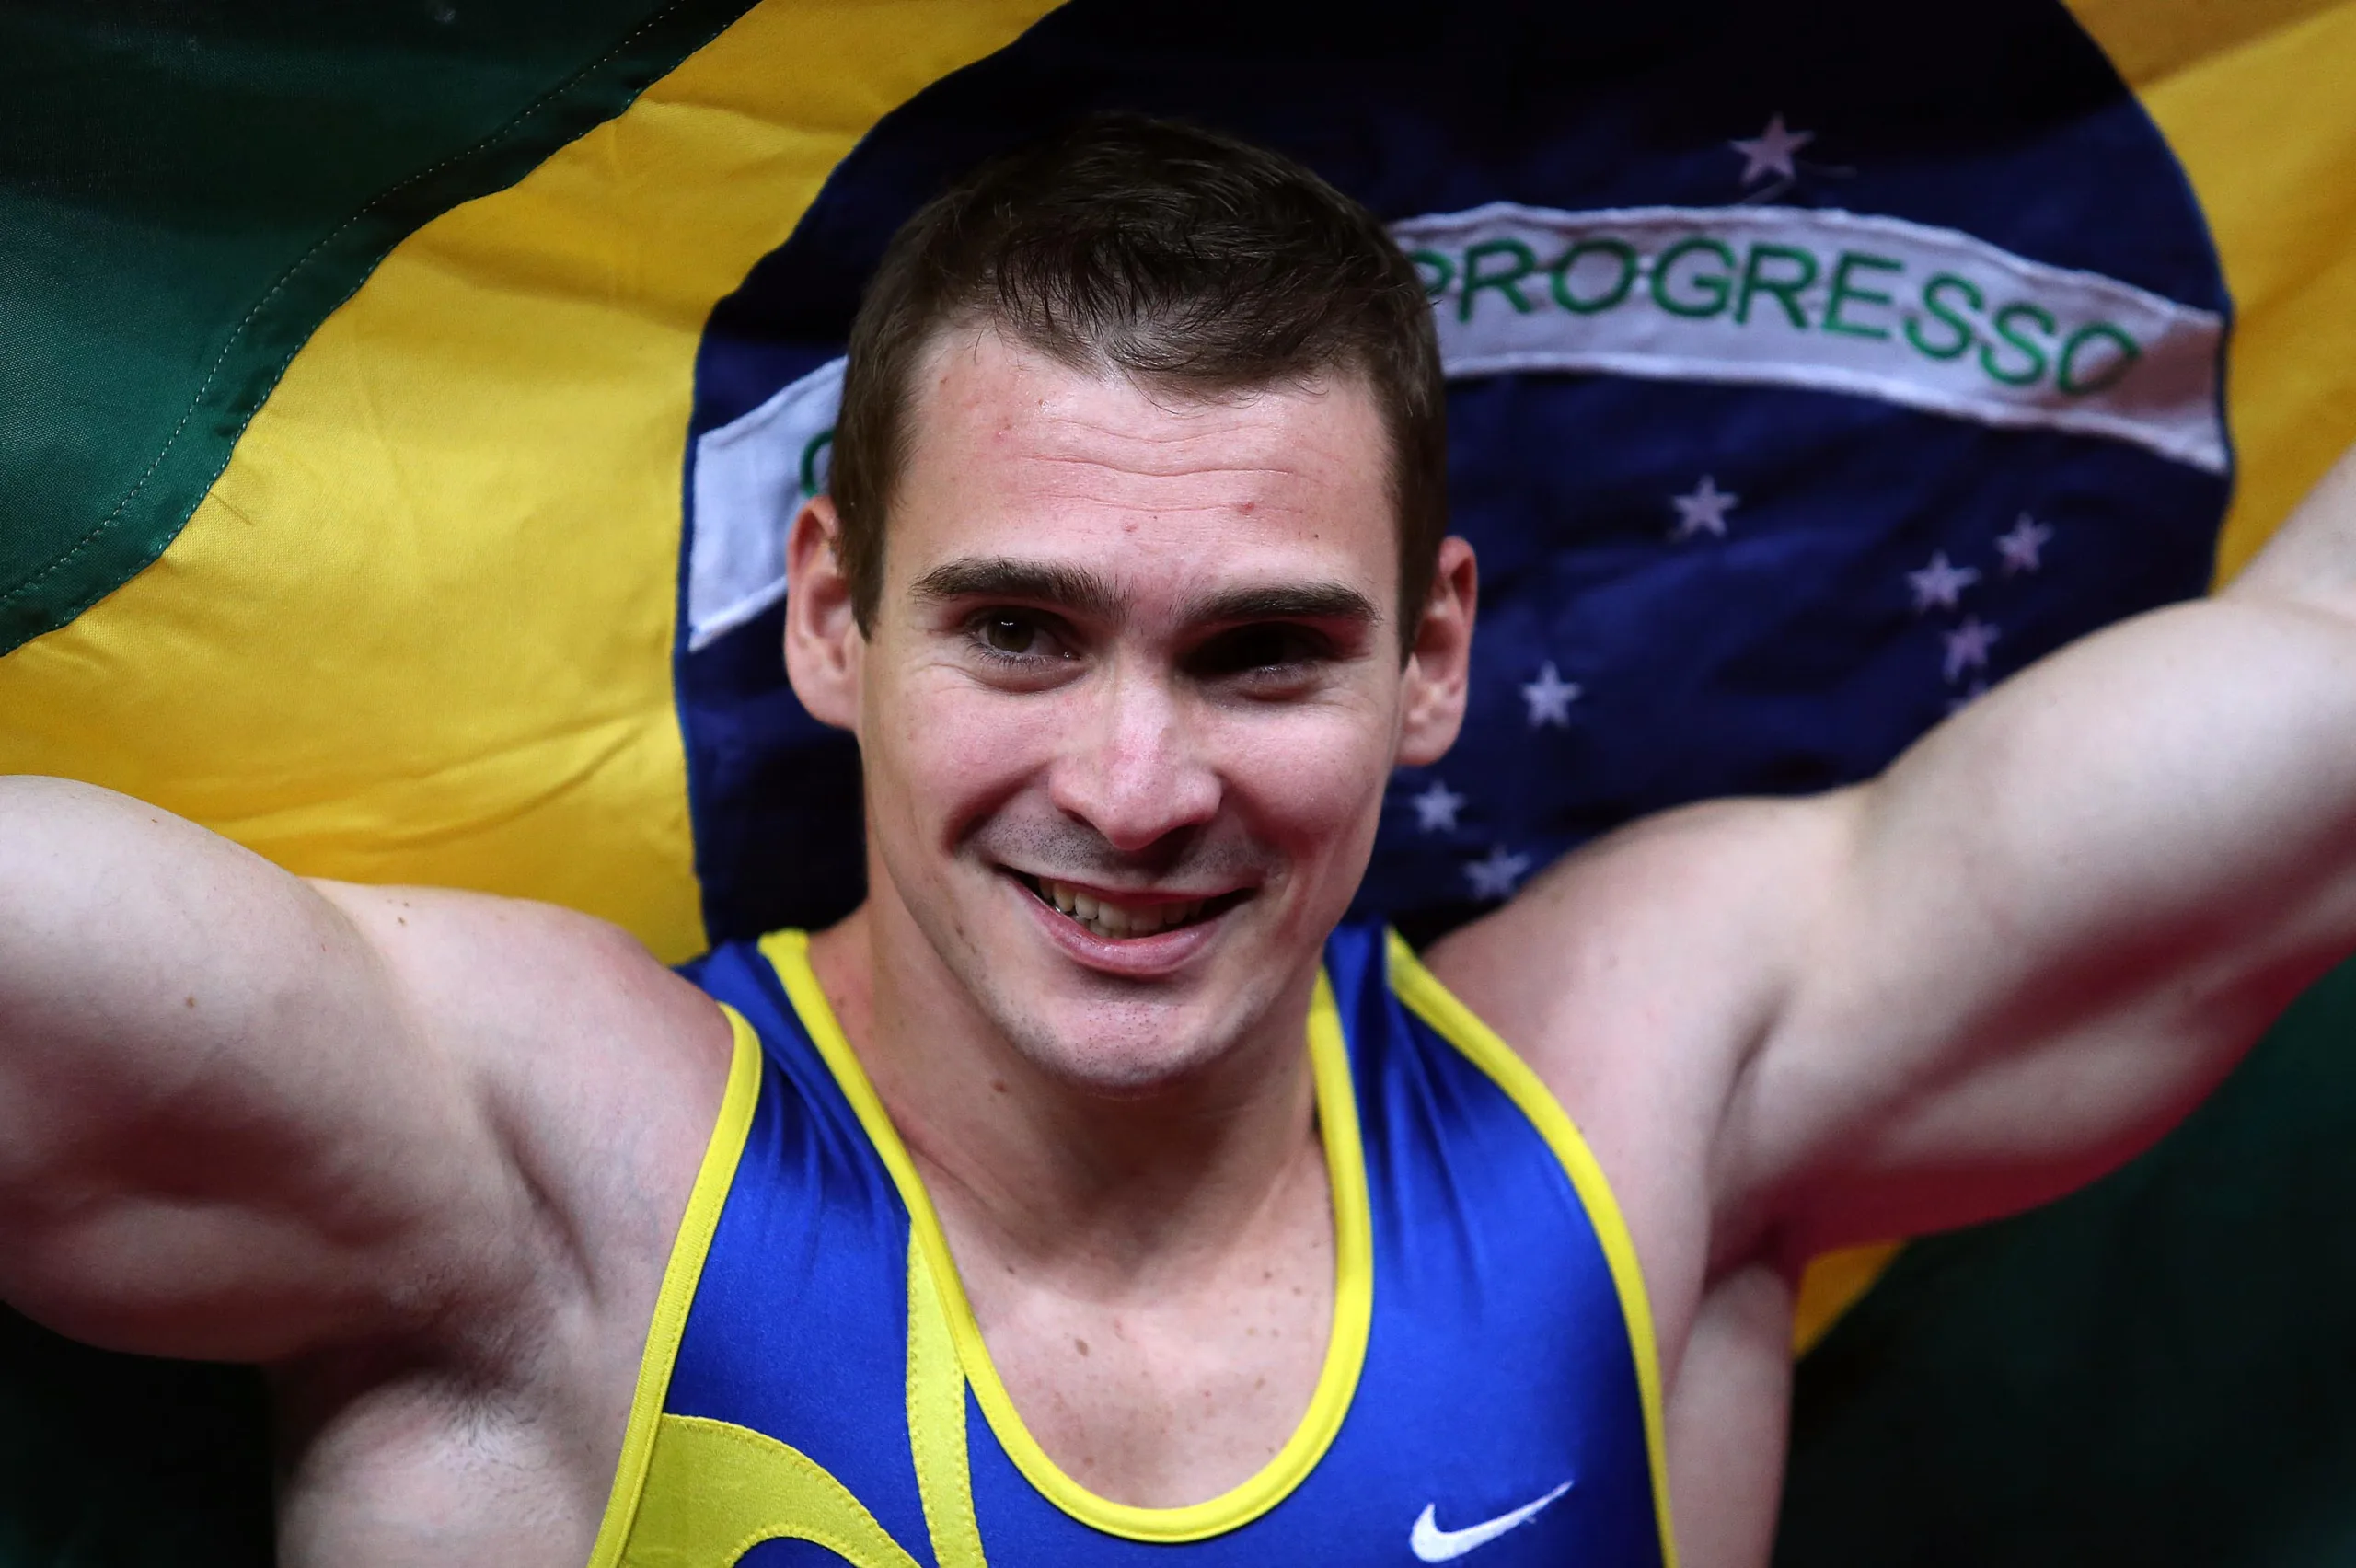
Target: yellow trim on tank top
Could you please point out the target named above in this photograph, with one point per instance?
(936, 1422)
(787, 952)
(714, 1177)
(716, 1490)
(1422, 994)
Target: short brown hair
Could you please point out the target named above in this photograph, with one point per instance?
(1183, 258)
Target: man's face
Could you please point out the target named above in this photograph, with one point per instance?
(1130, 698)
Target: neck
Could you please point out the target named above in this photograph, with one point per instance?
(1055, 1178)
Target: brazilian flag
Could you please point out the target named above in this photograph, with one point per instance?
(404, 400)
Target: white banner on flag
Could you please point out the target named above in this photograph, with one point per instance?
(1929, 317)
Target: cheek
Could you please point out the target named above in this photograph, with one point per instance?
(1315, 780)
(948, 752)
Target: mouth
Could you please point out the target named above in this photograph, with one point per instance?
(1122, 919)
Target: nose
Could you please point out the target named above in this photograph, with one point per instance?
(1132, 769)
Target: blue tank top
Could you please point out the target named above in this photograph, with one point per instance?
(815, 1389)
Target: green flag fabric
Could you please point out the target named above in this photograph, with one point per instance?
(2156, 1370)
(188, 191)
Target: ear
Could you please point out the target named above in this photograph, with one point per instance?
(824, 647)
(1439, 664)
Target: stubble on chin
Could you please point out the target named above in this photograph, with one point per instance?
(1128, 1039)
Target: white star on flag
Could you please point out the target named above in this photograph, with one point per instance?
(1495, 876)
(1770, 151)
(1704, 511)
(1941, 583)
(1968, 647)
(1550, 697)
(1435, 808)
(2020, 546)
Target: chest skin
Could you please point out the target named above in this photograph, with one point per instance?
(1190, 1377)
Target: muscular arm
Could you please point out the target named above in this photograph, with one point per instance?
(1987, 976)
(1993, 973)
(2035, 943)
(248, 1117)
(219, 1128)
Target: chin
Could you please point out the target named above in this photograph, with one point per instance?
(1118, 1051)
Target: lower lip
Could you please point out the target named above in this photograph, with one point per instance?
(1135, 958)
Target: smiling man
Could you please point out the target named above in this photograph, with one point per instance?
(1088, 1195)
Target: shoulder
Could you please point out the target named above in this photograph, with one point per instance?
(515, 990)
(1638, 975)
(1687, 915)
(587, 1079)
(597, 1072)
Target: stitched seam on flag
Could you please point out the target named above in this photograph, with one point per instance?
(237, 335)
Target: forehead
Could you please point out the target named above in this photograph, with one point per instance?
(1012, 452)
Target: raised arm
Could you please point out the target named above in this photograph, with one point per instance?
(235, 1119)
(2034, 944)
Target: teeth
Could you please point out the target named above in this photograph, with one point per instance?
(1108, 919)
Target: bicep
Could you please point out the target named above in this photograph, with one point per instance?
(217, 1124)
(2056, 923)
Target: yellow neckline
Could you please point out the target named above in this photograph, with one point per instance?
(789, 954)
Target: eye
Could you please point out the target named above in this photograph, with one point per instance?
(1008, 634)
(1017, 634)
(1272, 648)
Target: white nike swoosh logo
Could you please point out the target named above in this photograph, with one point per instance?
(1432, 1544)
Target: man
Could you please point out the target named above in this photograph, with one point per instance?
(1010, 1218)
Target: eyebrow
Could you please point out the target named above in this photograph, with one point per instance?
(1079, 589)
(1301, 601)
(1004, 577)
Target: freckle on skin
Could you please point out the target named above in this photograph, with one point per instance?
(1082, 1344)
(191, 1001)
